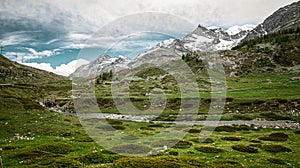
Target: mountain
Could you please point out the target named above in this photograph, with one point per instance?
(212, 39)
(284, 18)
(201, 39)
(205, 40)
(104, 63)
(13, 72)
(237, 29)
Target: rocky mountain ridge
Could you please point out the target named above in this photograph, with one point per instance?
(284, 18)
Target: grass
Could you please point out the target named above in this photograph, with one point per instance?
(32, 136)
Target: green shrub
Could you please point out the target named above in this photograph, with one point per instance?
(156, 125)
(279, 136)
(182, 144)
(225, 129)
(9, 147)
(32, 155)
(255, 141)
(297, 132)
(232, 138)
(276, 161)
(97, 158)
(208, 140)
(274, 116)
(61, 162)
(114, 122)
(174, 153)
(83, 139)
(276, 148)
(131, 149)
(147, 128)
(119, 127)
(244, 148)
(184, 160)
(194, 130)
(208, 149)
(57, 148)
(223, 164)
(242, 117)
(146, 163)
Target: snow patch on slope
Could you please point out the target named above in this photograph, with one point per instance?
(237, 29)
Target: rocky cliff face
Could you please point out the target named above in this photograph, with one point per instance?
(284, 18)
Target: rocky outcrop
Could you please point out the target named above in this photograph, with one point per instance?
(284, 18)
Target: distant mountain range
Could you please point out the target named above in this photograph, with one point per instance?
(201, 39)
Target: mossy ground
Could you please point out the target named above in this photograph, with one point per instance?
(32, 136)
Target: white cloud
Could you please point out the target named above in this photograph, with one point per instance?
(14, 38)
(38, 54)
(78, 36)
(63, 69)
(42, 66)
(67, 69)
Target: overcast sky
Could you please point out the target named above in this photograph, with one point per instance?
(222, 13)
(54, 31)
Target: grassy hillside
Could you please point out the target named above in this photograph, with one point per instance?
(13, 72)
(283, 46)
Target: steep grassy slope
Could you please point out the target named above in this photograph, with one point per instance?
(13, 72)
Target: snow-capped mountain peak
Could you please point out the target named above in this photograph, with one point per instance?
(104, 63)
(215, 38)
(237, 29)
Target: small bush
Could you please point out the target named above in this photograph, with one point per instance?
(97, 158)
(232, 138)
(276, 148)
(208, 140)
(184, 160)
(61, 162)
(83, 139)
(182, 144)
(224, 164)
(114, 122)
(156, 125)
(241, 117)
(276, 161)
(131, 149)
(147, 128)
(297, 132)
(255, 141)
(194, 130)
(32, 155)
(174, 153)
(225, 129)
(256, 145)
(208, 149)
(119, 127)
(146, 163)
(57, 148)
(274, 116)
(279, 136)
(9, 147)
(243, 148)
